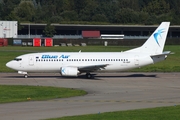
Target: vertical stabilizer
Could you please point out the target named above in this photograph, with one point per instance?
(155, 43)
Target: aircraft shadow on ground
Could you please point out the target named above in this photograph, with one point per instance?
(32, 76)
(95, 76)
(131, 75)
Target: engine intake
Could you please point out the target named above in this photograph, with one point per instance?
(69, 71)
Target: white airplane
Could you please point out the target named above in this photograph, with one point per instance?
(75, 63)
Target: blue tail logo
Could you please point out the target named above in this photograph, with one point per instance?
(158, 33)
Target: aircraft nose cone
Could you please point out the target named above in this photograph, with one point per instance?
(9, 65)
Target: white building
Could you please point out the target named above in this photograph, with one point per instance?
(8, 29)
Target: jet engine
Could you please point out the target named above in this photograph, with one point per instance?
(69, 71)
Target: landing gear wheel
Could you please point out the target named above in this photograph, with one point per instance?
(25, 76)
(89, 76)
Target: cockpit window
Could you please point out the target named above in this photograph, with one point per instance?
(18, 59)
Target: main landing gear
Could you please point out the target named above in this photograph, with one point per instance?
(89, 75)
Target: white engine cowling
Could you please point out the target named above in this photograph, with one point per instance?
(69, 71)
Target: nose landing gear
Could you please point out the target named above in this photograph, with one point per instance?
(24, 73)
(26, 76)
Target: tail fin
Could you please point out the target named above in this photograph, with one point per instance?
(155, 43)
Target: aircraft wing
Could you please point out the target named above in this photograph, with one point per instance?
(92, 68)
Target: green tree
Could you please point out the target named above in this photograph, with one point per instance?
(56, 19)
(49, 30)
(107, 8)
(89, 10)
(131, 4)
(69, 16)
(99, 18)
(175, 11)
(39, 14)
(157, 7)
(79, 5)
(111, 11)
(68, 5)
(127, 15)
(1, 6)
(151, 20)
(25, 11)
(7, 6)
(143, 16)
(143, 3)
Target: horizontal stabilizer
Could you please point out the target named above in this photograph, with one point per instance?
(162, 54)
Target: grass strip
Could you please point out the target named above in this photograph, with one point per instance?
(160, 113)
(19, 93)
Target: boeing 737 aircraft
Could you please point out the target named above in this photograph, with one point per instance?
(75, 63)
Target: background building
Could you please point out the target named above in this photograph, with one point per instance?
(8, 29)
(73, 31)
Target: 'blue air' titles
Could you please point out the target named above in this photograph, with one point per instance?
(64, 56)
(49, 56)
(54, 56)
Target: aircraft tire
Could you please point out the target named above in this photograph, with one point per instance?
(88, 75)
(25, 76)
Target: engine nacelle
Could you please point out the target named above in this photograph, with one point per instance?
(69, 71)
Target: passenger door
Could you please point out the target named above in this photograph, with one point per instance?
(31, 60)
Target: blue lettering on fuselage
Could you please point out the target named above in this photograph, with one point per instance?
(55, 56)
(64, 56)
(49, 56)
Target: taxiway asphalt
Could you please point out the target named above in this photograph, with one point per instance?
(106, 92)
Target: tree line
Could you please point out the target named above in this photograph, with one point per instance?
(146, 12)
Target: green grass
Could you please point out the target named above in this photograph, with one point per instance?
(171, 64)
(13, 93)
(161, 113)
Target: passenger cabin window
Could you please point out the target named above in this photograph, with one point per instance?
(18, 59)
